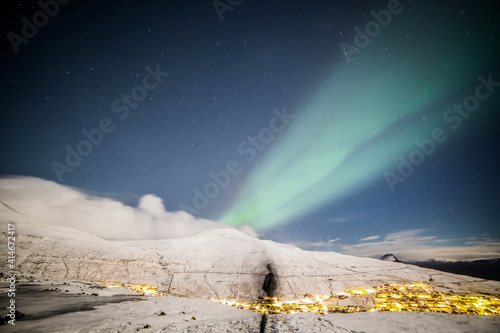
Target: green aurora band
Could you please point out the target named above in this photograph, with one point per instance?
(351, 131)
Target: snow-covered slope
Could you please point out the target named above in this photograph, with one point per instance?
(52, 305)
(221, 263)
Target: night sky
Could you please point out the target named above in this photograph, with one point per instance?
(268, 113)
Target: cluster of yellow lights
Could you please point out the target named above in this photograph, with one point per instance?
(417, 297)
(147, 290)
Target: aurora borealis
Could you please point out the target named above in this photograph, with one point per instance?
(350, 132)
(392, 146)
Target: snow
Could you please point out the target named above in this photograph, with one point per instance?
(50, 308)
(222, 264)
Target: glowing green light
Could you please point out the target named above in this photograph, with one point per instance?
(350, 132)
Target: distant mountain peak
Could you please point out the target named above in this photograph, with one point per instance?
(390, 257)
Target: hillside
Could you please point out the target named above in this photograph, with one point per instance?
(222, 264)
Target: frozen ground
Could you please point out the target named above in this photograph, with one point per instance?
(77, 306)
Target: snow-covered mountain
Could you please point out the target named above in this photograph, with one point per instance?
(223, 263)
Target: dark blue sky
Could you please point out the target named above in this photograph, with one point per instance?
(226, 77)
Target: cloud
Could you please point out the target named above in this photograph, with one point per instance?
(347, 218)
(317, 245)
(369, 238)
(54, 204)
(405, 235)
(413, 244)
(324, 244)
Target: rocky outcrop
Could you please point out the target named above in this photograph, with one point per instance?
(390, 257)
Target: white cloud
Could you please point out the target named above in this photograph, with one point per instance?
(55, 204)
(406, 235)
(369, 238)
(318, 245)
(324, 244)
(342, 219)
(415, 245)
(351, 217)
